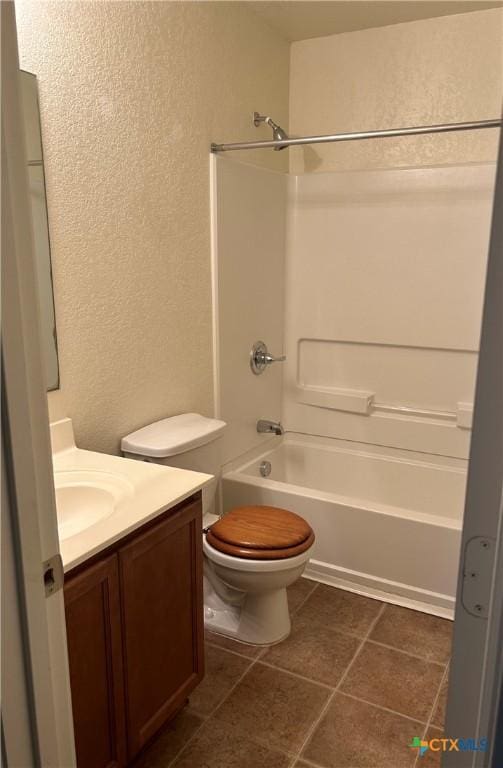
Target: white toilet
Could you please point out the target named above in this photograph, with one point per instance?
(251, 554)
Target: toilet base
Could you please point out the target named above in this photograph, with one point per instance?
(258, 619)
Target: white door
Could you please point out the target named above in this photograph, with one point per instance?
(476, 669)
(37, 725)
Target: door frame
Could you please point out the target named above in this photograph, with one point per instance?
(476, 674)
(28, 514)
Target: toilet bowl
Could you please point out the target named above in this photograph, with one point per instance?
(245, 586)
(251, 554)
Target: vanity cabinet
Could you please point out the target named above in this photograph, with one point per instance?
(162, 610)
(93, 629)
(135, 636)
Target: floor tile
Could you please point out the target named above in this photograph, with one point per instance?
(250, 651)
(439, 713)
(298, 592)
(420, 633)
(394, 680)
(223, 670)
(274, 706)
(246, 715)
(170, 741)
(217, 745)
(352, 733)
(314, 651)
(341, 610)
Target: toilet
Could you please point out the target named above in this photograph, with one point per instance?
(251, 554)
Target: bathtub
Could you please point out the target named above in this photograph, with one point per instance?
(387, 522)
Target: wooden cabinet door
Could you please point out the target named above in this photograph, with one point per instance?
(162, 621)
(92, 607)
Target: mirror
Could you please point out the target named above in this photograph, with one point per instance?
(31, 114)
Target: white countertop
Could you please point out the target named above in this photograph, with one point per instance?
(150, 490)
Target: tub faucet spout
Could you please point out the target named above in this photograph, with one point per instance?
(264, 425)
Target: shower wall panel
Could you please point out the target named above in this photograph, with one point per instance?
(249, 228)
(384, 288)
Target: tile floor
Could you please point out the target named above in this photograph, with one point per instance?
(350, 687)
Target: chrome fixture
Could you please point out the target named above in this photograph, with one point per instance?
(260, 358)
(277, 131)
(265, 468)
(284, 141)
(264, 425)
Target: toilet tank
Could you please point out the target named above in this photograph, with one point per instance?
(186, 441)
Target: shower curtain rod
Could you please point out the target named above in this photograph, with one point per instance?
(442, 128)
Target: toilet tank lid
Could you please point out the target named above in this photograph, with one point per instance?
(172, 436)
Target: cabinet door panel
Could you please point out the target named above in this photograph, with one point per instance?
(162, 604)
(92, 607)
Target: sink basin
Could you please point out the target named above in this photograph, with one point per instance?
(79, 507)
(85, 498)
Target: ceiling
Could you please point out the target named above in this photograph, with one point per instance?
(299, 20)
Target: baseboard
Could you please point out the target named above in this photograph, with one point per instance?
(381, 589)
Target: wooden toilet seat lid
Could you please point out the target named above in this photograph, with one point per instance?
(260, 532)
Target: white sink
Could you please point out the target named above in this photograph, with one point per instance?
(86, 497)
(101, 498)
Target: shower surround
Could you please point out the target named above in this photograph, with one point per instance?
(372, 283)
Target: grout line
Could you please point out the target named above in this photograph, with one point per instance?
(307, 762)
(408, 653)
(436, 700)
(296, 674)
(263, 652)
(315, 586)
(207, 717)
(221, 703)
(252, 664)
(433, 708)
(336, 689)
(360, 647)
(384, 709)
(177, 755)
(237, 653)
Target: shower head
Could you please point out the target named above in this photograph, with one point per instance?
(277, 131)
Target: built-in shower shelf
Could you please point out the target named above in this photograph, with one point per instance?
(364, 403)
(353, 400)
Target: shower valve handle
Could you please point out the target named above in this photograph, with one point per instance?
(268, 358)
(260, 358)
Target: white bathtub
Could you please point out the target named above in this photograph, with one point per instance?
(387, 522)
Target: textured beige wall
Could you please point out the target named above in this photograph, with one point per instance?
(439, 70)
(131, 96)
